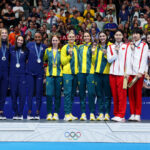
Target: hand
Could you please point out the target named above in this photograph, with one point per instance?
(70, 51)
(105, 51)
(132, 46)
(126, 76)
(93, 49)
(139, 75)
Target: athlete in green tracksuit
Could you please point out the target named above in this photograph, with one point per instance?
(103, 91)
(86, 60)
(53, 78)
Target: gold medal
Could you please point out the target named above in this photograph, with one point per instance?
(54, 65)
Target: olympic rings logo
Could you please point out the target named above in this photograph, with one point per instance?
(72, 135)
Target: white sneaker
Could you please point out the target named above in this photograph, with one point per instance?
(100, 117)
(68, 117)
(49, 116)
(137, 118)
(120, 119)
(15, 118)
(92, 117)
(107, 117)
(83, 117)
(55, 117)
(20, 117)
(114, 118)
(73, 117)
(3, 118)
(37, 117)
(132, 118)
(30, 117)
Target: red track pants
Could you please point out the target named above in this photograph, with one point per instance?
(119, 95)
(135, 96)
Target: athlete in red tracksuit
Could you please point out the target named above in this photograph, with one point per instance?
(137, 65)
(117, 55)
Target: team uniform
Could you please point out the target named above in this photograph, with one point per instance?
(35, 72)
(102, 85)
(86, 61)
(18, 60)
(117, 72)
(4, 69)
(70, 70)
(53, 81)
(139, 57)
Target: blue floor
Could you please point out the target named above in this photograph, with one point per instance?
(71, 146)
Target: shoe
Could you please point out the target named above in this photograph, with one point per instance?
(137, 118)
(49, 116)
(100, 117)
(15, 117)
(68, 117)
(30, 117)
(73, 117)
(114, 118)
(20, 117)
(107, 117)
(83, 117)
(55, 117)
(37, 117)
(132, 118)
(118, 119)
(2, 116)
(92, 117)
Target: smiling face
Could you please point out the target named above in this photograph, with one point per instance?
(55, 41)
(87, 37)
(118, 36)
(38, 38)
(20, 41)
(71, 38)
(148, 39)
(102, 37)
(4, 34)
(136, 37)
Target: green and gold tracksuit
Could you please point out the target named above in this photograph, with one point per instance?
(53, 79)
(86, 62)
(70, 70)
(103, 90)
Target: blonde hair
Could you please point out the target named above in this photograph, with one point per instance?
(1, 37)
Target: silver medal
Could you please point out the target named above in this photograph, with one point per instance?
(39, 60)
(17, 65)
(3, 58)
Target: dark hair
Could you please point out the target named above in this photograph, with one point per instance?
(148, 33)
(38, 33)
(106, 36)
(118, 30)
(137, 31)
(23, 46)
(50, 43)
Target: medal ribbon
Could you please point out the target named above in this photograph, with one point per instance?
(18, 54)
(38, 53)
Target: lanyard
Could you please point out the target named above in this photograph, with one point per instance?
(18, 54)
(54, 58)
(103, 47)
(138, 44)
(4, 51)
(38, 53)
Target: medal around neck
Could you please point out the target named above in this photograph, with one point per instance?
(39, 60)
(17, 65)
(3, 58)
